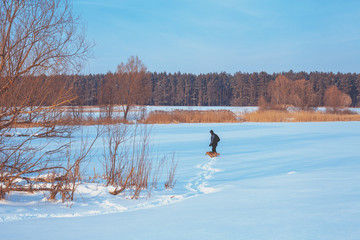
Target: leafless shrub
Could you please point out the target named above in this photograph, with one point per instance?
(157, 172)
(170, 181)
(128, 161)
(115, 153)
(32, 169)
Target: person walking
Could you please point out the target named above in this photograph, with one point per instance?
(214, 141)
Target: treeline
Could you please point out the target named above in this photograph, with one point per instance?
(217, 89)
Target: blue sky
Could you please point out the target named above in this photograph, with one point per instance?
(202, 36)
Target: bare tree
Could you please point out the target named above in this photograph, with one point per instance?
(302, 95)
(37, 37)
(335, 99)
(38, 40)
(134, 84)
(109, 95)
(283, 93)
(280, 92)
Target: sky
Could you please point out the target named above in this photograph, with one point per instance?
(205, 36)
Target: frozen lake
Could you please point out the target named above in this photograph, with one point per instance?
(272, 181)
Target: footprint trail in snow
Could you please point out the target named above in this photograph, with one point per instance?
(198, 185)
(97, 201)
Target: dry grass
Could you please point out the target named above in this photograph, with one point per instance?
(301, 116)
(87, 121)
(209, 116)
(184, 116)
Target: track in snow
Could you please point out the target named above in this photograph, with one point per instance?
(198, 185)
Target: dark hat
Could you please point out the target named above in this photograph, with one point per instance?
(211, 131)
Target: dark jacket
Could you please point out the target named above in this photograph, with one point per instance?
(213, 139)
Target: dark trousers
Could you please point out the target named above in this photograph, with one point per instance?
(214, 145)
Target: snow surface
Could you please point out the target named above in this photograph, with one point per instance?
(272, 181)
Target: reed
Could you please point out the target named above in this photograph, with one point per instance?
(186, 116)
(300, 116)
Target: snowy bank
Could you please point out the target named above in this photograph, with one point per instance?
(272, 181)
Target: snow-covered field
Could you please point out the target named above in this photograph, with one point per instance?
(272, 181)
